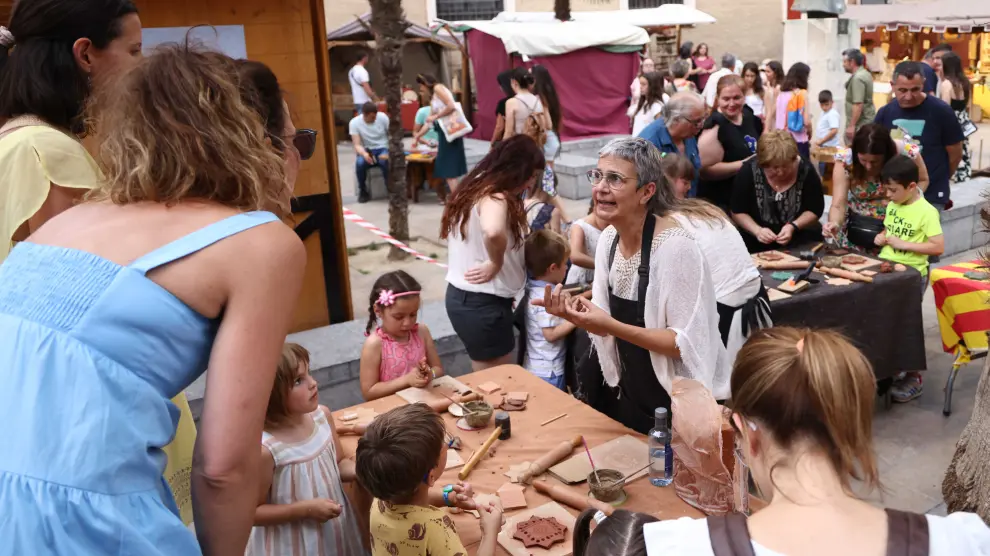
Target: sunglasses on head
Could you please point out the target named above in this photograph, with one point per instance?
(304, 141)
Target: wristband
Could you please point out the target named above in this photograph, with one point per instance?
(447, 490)
(794, 223)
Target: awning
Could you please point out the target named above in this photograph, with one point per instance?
(666, 15)
(552, 38)
(960, 14)
(357, 30)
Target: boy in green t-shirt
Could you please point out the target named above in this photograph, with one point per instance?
(912, 233)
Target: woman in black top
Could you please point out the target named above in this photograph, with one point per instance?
(505, 83)
(686, 53)
(729, 140)
(777, 198)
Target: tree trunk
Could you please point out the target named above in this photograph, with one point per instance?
(562, 9)
(389, 25)
(966, 487)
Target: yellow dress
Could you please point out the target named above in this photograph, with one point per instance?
(31, 158)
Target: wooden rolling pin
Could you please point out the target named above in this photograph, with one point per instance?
(550, 458)
(466, 470)
(573, 499)
(784, 265)
(441, 405)
(848, 274)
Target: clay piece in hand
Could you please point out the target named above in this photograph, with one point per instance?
(853, 259)
(886, 267)
(540, 531)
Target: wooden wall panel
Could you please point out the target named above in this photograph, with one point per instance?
(284, 34)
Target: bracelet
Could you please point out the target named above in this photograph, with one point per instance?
(794, 223)
(446, 495)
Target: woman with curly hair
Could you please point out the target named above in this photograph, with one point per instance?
(484, 224)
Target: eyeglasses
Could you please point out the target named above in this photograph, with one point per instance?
(695, 122)
(304, 141)
(613, 180)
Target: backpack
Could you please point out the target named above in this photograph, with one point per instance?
(795, 112)
(533, 126)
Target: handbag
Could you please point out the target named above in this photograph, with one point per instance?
(863, 230)
(455, 125)
(180, 456)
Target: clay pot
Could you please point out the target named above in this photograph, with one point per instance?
(480, 414)
(610, 487)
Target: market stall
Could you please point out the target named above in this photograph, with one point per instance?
(906, 31)
(423, 53)
(881, 317)
(550, 417)
(593, 102)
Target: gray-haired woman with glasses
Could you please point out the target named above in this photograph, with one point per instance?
(653, 303)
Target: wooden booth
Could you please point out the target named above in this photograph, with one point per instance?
(290, 37)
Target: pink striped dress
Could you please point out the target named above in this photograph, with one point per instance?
(304, 471)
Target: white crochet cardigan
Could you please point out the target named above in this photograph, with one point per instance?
(680, 297)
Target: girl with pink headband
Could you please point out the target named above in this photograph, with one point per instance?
(400, 353)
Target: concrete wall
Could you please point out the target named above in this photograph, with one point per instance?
(752, 30)
(339, 12)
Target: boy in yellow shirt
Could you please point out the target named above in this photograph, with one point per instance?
(401, 455)
(912, 233)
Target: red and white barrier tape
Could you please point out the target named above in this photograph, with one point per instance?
(352, 216)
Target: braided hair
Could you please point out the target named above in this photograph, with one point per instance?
(398, 281)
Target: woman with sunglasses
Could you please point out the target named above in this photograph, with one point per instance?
(176, 262)
(802, 404)
(51, 57)
(652, 314)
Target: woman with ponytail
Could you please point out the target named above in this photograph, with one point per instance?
(53, 54)
(620, 534)
(802, 403)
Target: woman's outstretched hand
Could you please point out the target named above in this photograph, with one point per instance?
(575, 309)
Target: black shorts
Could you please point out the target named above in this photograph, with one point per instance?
(483, 322)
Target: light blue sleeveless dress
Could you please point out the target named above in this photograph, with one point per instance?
(91, 352)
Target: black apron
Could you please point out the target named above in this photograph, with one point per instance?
(639, 392)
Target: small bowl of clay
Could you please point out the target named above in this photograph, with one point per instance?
(606, 485)
(478, 413)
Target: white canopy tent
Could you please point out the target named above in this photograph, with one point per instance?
(556, 37)
(961, 14)
(667, 15)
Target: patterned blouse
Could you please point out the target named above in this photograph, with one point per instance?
(403, 530)
(867, 198)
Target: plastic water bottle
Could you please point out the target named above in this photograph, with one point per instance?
(661, 456)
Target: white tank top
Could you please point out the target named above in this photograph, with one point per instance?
(465, 253)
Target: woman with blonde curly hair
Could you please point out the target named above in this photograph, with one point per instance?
(177, 261)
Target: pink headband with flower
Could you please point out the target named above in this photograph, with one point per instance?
(388, 297)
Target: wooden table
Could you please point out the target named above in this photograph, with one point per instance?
(419, 168)
(529, 441)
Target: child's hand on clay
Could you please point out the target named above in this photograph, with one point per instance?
(491, 518)
(417, 379)
(464, 497)
(880, 240)
(321, 509)
(425, 368)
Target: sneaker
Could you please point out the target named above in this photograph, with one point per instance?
(906, 389)
(364, 197)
